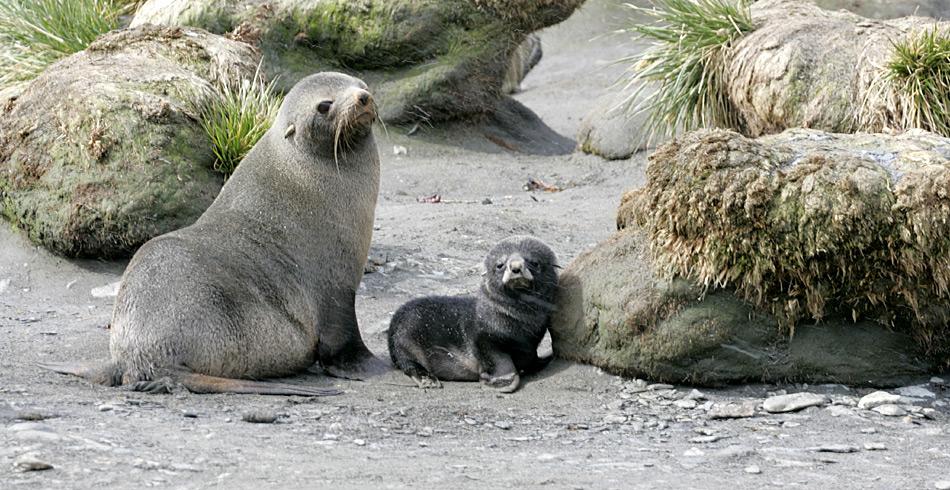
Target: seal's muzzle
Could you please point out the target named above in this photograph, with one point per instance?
(517, 274)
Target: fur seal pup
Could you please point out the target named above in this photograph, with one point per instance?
(489, 337)
(264, 283)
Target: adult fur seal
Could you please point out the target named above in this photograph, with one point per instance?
(490, 337)
(263, 284)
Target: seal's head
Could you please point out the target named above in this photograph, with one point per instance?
(522, 265)
(328, 113)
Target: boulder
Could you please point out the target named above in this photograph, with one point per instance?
(614, 130)
(615, 312)
(103, 150)
(426, 61)
(890, 9)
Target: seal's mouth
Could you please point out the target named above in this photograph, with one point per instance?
(517, 275)
(356, 109)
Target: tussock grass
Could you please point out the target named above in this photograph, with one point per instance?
(691, 43)
(36, 33)
(919, 75)
(236, 116)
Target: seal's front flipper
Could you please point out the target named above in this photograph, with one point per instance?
(359, 367)
(200, 383)
(104, 373)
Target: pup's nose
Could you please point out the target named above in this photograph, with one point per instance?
(363, 97)
(516, 266)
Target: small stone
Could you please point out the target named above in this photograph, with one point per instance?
(890, 410)
(705, 439)
(547, 457)
(942, 485)
(693, 452)
(732, 410)
(687, 404)
(835, 448)
(869, 430)
(659, 386)
(615, 418)
(877, 398)
(503, 425)
(259, 417)
(752, 469)
(399, 150)
(425, 432)
(937, 381)
(107, 291)
(695, 395)
(793, 402)
(486, 201)
(188, 414)
(359, 442)
(916, 392)
(29, 462)
(874, 446)
(106, 407)
(470, 421)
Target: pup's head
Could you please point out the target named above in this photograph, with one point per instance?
(521, 265)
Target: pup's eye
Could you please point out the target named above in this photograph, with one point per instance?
(500, 265)
(532, 264)
(324, 107)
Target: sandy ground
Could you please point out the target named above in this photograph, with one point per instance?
(570, 427)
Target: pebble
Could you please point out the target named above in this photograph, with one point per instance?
(942, 485)
(106, 407)
(752, 470)
(874, 446)
(890, 410)
(916, 392)
(615, 418)
(835, 448)
(732, 410)
(695, 395)
(693, 452)
(4, 284)
(937, 381)
(659, 386)
(29, 462)
(688, 404)
(793, 402)
(399, 150)
(425, 432)
(876, 399)
(503, 425)
(107, 291)
(359, 442)
(259, 417)
(547, 457)
(705, 439)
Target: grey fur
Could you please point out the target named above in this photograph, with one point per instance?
(263, 284)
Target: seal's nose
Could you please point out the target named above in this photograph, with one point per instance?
(516, 266)
(363, 97)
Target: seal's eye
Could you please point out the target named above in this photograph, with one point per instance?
(532, 264)
(324, 107)
(500, 265)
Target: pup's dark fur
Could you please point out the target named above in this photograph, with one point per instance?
(490, 337)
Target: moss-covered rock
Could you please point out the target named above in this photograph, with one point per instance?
(807, 224)
(103, 150)
(425, 59)
(616, 313)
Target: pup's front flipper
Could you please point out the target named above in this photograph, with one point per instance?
(505, 383)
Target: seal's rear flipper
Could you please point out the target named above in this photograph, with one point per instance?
(200, 383)
(360, 369)
(105, 373)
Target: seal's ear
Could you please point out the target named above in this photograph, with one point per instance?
(290, 131)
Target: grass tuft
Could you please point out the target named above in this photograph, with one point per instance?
(919, 74)
(236, 116)
(36, 33)
(687, 62)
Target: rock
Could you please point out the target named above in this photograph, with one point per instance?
(103, 150)
(793, 402)
(359, 442)
(705, 439)
(503, 425)
(835, 448)
(429, 61)
(874, 446)
(260, 417)
(659, 387)
(732, 410)
(615, 418)
(877, 398)
(890, 9)
(890, 410)
(752, 469)
(615, 130)
(107, 291)
(29, 462)
(942, 485)
(615, 312)
(695, 395)
(919, 391)
(685, 403)
(937, 381)
(694, 452)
